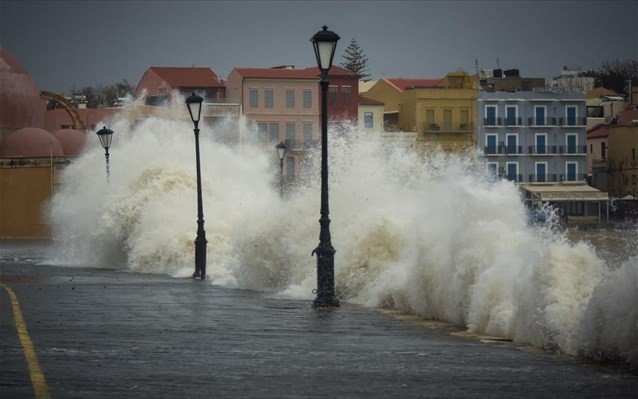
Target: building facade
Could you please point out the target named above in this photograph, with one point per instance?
(160, 85)
(370, 115)
(442, 115)
(389, 91)
(533, 136)
(283, 104)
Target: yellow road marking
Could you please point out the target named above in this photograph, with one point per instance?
(37, 378)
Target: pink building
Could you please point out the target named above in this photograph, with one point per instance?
(282, 104)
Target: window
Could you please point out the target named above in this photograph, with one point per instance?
(512, 171)
(274, 132)
(465, 119)
(572, 143)
(511, 112)
(541, 144)
(332, 94)
(253, 97)
(539, 115)
(290, 168)
(368, 120)
(268, 98)
(290, 98)
(595, 111)
(262, 132)
(307, 133)
(603, 150)
(512, 143)
(490, 143)
(290, 134)
(570, 112)
(490, 115)
(345, 92)
(447, 119)
(492, 170)
(541, 172)
(429, 117)
(307, 99)
(571, 169)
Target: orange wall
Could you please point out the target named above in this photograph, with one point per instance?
(24, 193)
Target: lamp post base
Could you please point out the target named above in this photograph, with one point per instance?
(200, 256)
(326, 302)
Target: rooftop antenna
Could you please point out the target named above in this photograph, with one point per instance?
(497, 64)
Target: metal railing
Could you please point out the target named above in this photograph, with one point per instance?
(503, 150)
(573, 121)
(449, 127)
(573, 149)
(547, 121)
(543, 149)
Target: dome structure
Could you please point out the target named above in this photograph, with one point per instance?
(72, 141)
(30, 142)
(20, 101)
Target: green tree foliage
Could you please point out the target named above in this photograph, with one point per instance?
(355, 60)
(103, 96)
(613, 75)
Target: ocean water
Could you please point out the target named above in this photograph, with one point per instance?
(428, 236)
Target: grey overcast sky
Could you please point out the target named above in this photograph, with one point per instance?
(79, 43)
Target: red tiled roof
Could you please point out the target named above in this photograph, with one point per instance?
(599, 132)
(290, 73)
(270, 73)
(188, 76)
(403, 84)
(368, 101)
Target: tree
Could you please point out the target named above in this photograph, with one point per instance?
(356, 60)
(104, 96)
(613, 75)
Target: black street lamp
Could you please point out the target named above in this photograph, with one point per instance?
(194, 103)
(106, 135)
(281, 152)
(325, 43)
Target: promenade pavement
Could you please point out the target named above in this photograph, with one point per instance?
(99, 333)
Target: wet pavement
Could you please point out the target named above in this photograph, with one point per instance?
(101, 333)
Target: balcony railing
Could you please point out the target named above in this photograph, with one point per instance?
(572, 121)
(503, 150)
(511, 121)
(449, 127)
(493, 121)
(573, 149)
(542, 149)
(549, 177)
(553, 178)
(549, 121)
(514, 178)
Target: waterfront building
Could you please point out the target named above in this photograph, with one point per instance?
(282, 104)
(537, 139)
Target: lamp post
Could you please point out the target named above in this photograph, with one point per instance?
(324, 43)
(106, 135)
(194, 103)
(281, 152)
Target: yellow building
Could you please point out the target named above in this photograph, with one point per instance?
(389, 91)
(370, 115)
(442, 115)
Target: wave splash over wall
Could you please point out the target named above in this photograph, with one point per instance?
(428, 235)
